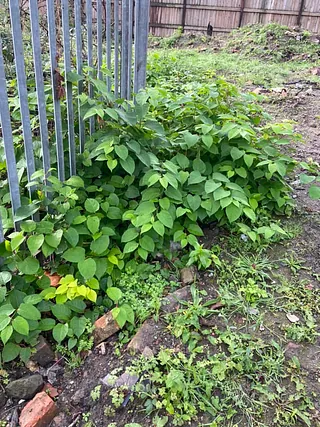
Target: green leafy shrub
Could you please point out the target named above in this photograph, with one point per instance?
(154, 172)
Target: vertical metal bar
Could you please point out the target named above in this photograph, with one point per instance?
(36, 45)
(116, 48)
(1, 234)
(77, 13)
(22, 87)
(90, 58)
(183, 16)
(124, 49)
(67, 69)
(55, 82)
(243, 4)
(130, 27)
(8, 139)
(108, 39)
(141, 43)
(99, 37)
(300, 12)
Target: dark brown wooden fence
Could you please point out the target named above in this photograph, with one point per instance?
(225, 15)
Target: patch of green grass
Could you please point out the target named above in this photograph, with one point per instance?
(186, 66)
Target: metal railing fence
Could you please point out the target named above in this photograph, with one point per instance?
(116, 39)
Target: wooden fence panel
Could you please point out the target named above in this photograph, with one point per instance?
(225, 15)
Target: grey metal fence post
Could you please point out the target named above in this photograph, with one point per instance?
(89, 54)
(99, 37)
(141, 43)
(124, 48)
(67, 69)
(108, 40)
(8, 139)
(77, 18)
(36, 45)
(22, 87)
(130, 35)
(55, 84)
(116, 48)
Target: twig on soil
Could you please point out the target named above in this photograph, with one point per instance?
(75, 421)
(14, 419)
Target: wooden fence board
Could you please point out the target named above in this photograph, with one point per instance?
(224, 15)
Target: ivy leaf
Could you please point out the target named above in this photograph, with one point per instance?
(35, 242)
(250, 213)
(60, 332)
(20, 325)
(87, 268)
(78, 325)
(25, 211)
(195, 178)
(74, 254)
(211, 186)
(10, 352)
(5, 277)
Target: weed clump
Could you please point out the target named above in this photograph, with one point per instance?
(274, 42)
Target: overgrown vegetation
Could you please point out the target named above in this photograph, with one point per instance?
(190, 152)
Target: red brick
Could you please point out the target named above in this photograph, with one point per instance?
(50, 390)
(105, 327)
(39, 412)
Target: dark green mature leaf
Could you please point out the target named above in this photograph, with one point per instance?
(121, 151)
(26, 210)
(35, 242)
(20, 325)
(78, 325)
(128, 165)
(6, 334)
(60, 332)
(29, 311)
(100, 245)
(147, 243)
(72, 236)
(54, 239)
(87, 268)
(165, 218)
(130, 247)
(75, 254)
(29, 266)
(10, 352)
(233, 212)
(61, 312)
